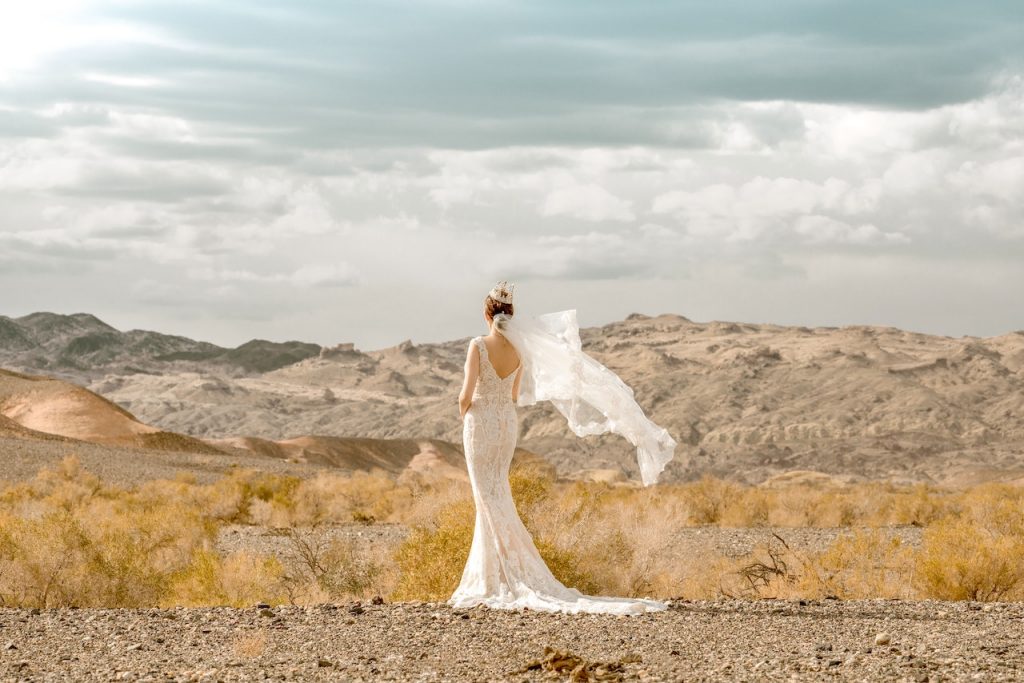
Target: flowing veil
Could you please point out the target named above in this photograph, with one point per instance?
(591, 397)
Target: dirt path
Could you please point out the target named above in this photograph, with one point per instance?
(717, 640)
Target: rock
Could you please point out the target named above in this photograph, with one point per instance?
(324, 663)
(882, 639)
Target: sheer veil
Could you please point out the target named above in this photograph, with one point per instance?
(591, 397)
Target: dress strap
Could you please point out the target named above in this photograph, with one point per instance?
(483, 347)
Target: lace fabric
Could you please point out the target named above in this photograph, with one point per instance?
(505, 569)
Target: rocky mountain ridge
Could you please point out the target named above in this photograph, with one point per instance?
(744, 401)
(81, 347)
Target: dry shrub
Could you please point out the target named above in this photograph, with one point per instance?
(920, 506)
(431, 560)
(709, 499)
(865, 564)
(751, 507)
(962, 559)
(701, 576)
(232, 498)
(360, 497)
(238, 580)
(975, 554)
(806, 506)
(67, 539)
(771, 570)
(322, 569)
(72, 543)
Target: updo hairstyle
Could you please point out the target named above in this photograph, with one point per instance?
(492, 307)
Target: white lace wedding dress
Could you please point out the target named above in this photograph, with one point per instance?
(504, 569)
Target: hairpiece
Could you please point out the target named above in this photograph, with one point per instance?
(502, 292)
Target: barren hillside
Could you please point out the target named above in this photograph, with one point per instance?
(745, 401)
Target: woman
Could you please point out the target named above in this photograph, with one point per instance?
(520, 362)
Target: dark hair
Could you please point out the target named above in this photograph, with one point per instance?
(493, 307)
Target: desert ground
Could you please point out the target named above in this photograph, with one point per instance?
(846, 503)
(718, 640)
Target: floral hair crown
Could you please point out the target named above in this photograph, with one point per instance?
(502, 292)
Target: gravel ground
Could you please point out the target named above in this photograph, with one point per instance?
(23, 458)
(710, 641)
(730, 542)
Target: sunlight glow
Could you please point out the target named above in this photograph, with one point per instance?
(31, 32)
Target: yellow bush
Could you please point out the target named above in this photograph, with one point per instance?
(865, 564)
(362, 496)
(431, 560)
(68, 539)
(962, 560)
(709, 498)
(230, 499)
(238, 580)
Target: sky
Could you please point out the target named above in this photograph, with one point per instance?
(364, 172)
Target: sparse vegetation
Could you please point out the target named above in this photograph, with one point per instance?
(67, 539)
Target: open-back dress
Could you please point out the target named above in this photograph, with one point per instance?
(504, 569)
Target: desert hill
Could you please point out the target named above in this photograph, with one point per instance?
(745, 401)
(46, 409)
(81, 347)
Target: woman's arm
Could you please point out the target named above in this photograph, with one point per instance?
(469, 383)
(515, 384)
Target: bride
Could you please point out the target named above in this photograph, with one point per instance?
(522, 361)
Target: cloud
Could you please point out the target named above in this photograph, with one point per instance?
(308, 275)
(760, 206)
(216, 159)
(823, 229)
(587, 203)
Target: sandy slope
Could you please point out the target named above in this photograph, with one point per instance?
(41, 408)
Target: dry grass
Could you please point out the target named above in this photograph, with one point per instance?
(66, 539)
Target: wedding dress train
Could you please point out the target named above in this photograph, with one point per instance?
(504, 569)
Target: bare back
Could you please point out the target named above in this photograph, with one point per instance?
(502, 354)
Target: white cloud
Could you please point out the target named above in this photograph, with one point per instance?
(766, 205)
(588, 203)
